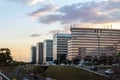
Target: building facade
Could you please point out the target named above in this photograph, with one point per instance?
(60, 46)
(40, 53)
(48, 51)
(33, 54)
(93, 42)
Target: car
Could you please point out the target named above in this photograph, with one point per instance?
(36, 64)
(25, 78)
(116, 64)
(53, 64)
(72, 64)
(62, 64)
(81, 65)
(34, 76)
(109, 72)
(94, 68)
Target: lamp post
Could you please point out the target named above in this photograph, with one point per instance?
(98, 38)
(59, 60)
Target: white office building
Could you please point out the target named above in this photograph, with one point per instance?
(93, 42)
(48, 51)
(60, 46)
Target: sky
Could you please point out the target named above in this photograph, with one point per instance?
(23, 23)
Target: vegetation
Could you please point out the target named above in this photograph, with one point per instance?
(5, 56)
(63, 73)
(62, 61)
(8, 69)
(57, 72)
(72, 73)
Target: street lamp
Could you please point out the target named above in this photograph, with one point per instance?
(59, 60)
(98, 37)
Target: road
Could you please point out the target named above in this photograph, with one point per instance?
(3, 76)
(115, 76)
(24, 73)
(101, 71)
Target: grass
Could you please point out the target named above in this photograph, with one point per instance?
(72, 73)
(59, 72)
(8, 69)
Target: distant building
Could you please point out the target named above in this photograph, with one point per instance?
(40, 53)
(33, 54)
(93, 43)
(48, 51)
(60, 46)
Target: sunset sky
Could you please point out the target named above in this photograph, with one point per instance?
(23, 23)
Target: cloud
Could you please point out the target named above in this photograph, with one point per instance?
(54, 31)
(98, 12)
(34, 35)
(42, 11)
(112, 5)
(89, 12)
(65, 29)
(34, 2)
(45, 6)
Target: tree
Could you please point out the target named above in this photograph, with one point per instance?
(5, 57)
(118, 57)
(57, 62)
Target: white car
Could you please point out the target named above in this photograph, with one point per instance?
(94, 68)
(109, 71)
(81, 65)
(53, 64)
(115, 64)
(62, 64)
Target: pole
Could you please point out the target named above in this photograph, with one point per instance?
(59, 60)
(98, 42)
(98, 36)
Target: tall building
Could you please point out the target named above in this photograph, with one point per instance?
(40, 53)
(93, 42)
(48, 51)
(33, 54)
(60, 46)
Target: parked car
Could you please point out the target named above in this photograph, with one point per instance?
(25, 78)
(109, 72)
(62, 64)
(116, 64)
(53, 64)
(94, 68)
(81, 65)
